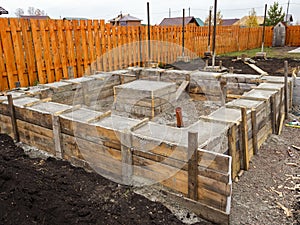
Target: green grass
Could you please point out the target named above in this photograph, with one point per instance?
(271, 53)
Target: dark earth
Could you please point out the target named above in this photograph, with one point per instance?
(49, 191)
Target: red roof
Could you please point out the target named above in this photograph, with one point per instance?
(229, 22)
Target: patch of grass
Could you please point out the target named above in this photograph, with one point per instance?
(271, 53)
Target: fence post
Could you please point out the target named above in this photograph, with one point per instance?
(193, 165)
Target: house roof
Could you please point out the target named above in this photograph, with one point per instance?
(3, 11)
(229, 22)
(243, 21)
(289, 18)
(35, 17)
(124, 18)
(177, 21)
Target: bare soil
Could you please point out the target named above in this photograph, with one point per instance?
(49, 191)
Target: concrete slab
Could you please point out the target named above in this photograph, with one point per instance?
(117, 123)
(14, 95)
(49, 107)
(81, 115)
(297, 50)
(206, 75)
(274, 79)
(226, 114)
(20, 102)
(270, 86)
(149, 86)
(249, 104)
(260, 94)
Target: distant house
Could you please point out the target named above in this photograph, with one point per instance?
(34, 17)
(229, 22)
(177, 21)
(125, 20)
(3, 11)
(289, 19)
(243, 21)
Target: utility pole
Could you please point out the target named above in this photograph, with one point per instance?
(264, 29)
(189, 11)
(149, 35)
(215, 34)
(169, 12)
(183, 24)
(287, 11)
(209, 27)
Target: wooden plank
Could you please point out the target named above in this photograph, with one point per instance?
(181, 89)
(29, 51)
(282, 117)
(254, 131)
(202, 210)
(84, 47)
(35, 29)
(13, 117)
(193, 166)
(139, 125)
(97, 39)
(3, 80)
(91, 45)
(70, 46)
(286, 103)
(57, 136)
(232, 141)
(46, 49)
(62, 47)
(244, 129)
(78, 45)
(8, 53)
(273, 113)
(19, 52)
(127, 158)
(280, 109)
(54, 48)
(103, 46)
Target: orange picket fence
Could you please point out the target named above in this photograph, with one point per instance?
(43, 51)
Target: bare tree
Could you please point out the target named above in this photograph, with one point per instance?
(252, 19)
(31, 10)
(19, 12)
(219, 19)
(39, 12)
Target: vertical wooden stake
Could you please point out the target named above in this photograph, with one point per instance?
(245, 139)
(254, 131)
(232, 141)
(12, 112)
(273, 113)
(57, 136)
(223, 85)
(279, 110)
(193, 165)
(152, 105)
(286, 106)
(127, 158)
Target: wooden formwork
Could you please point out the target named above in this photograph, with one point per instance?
(132, 150)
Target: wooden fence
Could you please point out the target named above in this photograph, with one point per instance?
(44, 51)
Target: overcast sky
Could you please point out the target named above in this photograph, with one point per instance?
(107, 9)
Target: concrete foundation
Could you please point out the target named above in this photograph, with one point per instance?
(100, 121)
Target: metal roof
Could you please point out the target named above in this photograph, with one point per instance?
(3, 11)
(177, 21)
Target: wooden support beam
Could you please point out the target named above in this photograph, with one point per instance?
(281, 123)
(286, 106)
(223, 85)
(279, 110)
(273, 113)
(139, 125)
(232, 141)
(102, 116)
(127, 158)
(193, 165)
(254, 131)
(57, 136)
(37, 102)
(181, 89)
(11, 109)
(244, 129)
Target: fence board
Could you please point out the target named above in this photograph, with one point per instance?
(70, 46)
(62, 47)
